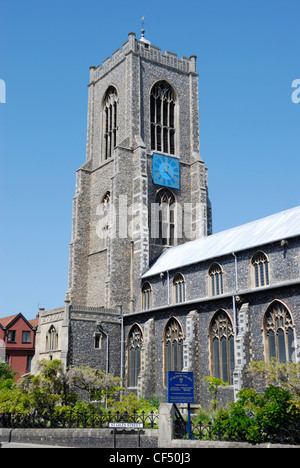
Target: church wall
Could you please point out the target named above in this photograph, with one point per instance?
(200, 363)
(283, 267)
(251, 305)
(83, 327)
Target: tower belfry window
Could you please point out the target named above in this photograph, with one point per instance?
(166, 226)
(162, 115)
(110, 121)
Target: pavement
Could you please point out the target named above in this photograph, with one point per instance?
(14, 445)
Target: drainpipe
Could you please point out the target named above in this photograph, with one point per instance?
(122, 349)
(168, 280)
(107, 348)
(131, 300)
(234, 295)
(234, 311)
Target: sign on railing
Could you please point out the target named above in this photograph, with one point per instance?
(125, 425)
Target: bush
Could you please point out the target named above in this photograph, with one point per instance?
(6, 372)
(255, 417)
(131, 404)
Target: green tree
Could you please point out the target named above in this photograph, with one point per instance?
(285, 375)
(49, 387)
(95, 382)
(214, 386)
(6, 372)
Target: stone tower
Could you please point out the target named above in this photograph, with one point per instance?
(143, 186)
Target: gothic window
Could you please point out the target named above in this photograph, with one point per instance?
(166, 212)
(173, 343)
(146, 296)
(110, 121)
(52, 339)
(260, 268)
(135, 341)
(162, 114)
(179, 288)
(216, 279)
(279, 333)
(222, 347)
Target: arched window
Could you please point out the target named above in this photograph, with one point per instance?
(135, 341)
(52, 339)
(146, 296)
(162, 114)
(279, 333)
(110, 107)
(216, 279)
(222, 347)
(179, 288)
(260, 265)
(166, 212)
(173, 344)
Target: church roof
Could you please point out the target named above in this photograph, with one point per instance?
(257, 233)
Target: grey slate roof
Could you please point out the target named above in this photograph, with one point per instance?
(257, 233)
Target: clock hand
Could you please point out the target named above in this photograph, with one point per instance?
(173, 176)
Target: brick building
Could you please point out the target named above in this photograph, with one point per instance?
(150, 288)
(17, 342)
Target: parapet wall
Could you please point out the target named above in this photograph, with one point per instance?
(147, 51)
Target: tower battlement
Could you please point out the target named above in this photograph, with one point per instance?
(148, 52)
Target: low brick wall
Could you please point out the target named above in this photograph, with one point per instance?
(85, 438)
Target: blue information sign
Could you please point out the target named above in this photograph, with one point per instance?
(180, 387)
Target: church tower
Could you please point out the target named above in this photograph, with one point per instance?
(143, 187)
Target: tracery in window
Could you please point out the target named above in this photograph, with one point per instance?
(260, 265)
(179, 288)
(166, 212)
(173, 347)
(52, 339)
(222, 347)
(146, 296)
(135, 341)
(110, 121)
(162, 115)
(279, 333)
(216, 279)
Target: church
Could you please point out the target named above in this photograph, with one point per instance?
(151, 288)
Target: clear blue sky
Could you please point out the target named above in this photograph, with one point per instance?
(248, 56)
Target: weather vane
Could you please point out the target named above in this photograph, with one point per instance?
(143, 32)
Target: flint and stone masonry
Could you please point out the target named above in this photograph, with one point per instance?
(112, 244)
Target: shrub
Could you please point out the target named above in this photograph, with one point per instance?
(257, 417)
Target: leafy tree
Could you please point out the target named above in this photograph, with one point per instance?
(94, 381)
(6, 372)
(285, 375)
(49, 387)
(214, 386)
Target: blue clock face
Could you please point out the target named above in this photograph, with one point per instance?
(166, 171)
